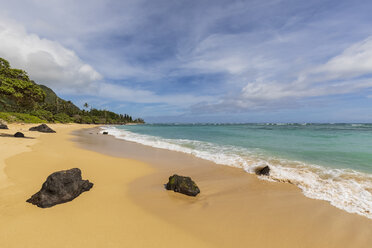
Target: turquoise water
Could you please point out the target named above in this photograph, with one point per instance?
(332, 162)
(337, 145)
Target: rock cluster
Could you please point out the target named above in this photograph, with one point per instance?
(42, 128)
(60, 187)
(183, 185)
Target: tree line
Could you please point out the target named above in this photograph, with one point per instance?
(19, 94)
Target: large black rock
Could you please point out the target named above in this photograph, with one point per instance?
(3, 126)
(105, 133)
(182, 185)
(19, 135)
(60, 187)
(265, 171)
(42, 128)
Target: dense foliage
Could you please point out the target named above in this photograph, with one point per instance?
(17, 90)
(23, 100)
(20, 117)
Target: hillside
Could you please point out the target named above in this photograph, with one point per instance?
(52, 98)
(21, 99)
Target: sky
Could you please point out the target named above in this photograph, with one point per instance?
(199, 60)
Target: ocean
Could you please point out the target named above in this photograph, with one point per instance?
(331, 162)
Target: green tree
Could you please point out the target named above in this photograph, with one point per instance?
(86, 105)
(17, 87)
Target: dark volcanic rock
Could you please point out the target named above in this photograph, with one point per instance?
(182, 185)
(105, 133)
(60, 187)
(42, 128)
(19, 135)
(3, 126)
(263, 171)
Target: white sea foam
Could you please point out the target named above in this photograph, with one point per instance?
(343, 188)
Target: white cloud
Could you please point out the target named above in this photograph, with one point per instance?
(46, 61)
(346, 73)
(233, 54)
(125, 94)
(231, 48)
(354, 61)
(49, 63)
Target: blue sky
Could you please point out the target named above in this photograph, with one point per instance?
(199, 61)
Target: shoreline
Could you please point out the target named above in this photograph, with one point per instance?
(128, 205)
(263, 201)
(343, 187)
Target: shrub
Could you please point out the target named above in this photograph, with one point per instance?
(43, 114)
(20, 117)
(76, 118)
(62, 118)
(86, 119)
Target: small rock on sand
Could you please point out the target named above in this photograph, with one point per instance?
(42, 128)
(183, 185)
(3, 126)
(19, 135)
(265, 171)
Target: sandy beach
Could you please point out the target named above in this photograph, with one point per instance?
(129, 207)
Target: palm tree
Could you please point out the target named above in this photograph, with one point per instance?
(86, 105)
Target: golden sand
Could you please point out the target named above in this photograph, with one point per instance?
(103, 217)
(128, 206)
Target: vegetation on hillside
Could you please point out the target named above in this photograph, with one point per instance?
(22, 100)
(20, 117)
(17, 90)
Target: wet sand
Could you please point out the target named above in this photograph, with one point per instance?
(234, 208)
